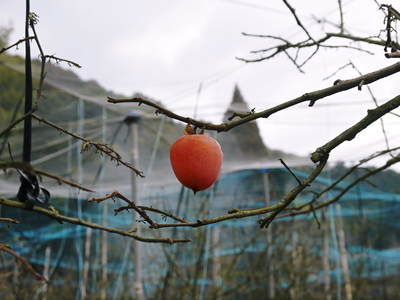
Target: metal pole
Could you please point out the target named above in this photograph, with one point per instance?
(28, 91)
(78, 242)
(271, 279)
(104, 236)
(132, 120)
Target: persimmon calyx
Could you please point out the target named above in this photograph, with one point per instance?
(189, 129)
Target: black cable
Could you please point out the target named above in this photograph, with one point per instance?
(30, 191)
(27, 147)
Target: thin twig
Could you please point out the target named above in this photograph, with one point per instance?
(293, 11)
(389, 163)
(349, 134)
(341, 26)
(341, 178)
(104, 148)
(9, 220)
(15, 123)
(131, 205)
(21, 165)
(290, 171)
(59, 59)
(24, 262)
(16, 44)
(277, 49)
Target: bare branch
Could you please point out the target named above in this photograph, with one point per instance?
(16, 44)
(314, 43)
(59, 59)
(104, 148)
(43, 58)
(54, 214)
(290, 171)
(29, 169)
(341, 178)
(341, 26)
(343, 85)
(350, 133)
(24, 262)
(376, 105)
(9, 220)
(162, 212)
(389, 163)
(15, 123)
(131, 205)
(293, 11)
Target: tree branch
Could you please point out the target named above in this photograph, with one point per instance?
(15, 123)
(28, 168)
(16, 44)
(350, 133)
(24, 262)
(389, 163)
(343, 85)
(54, 214)
(9, 220)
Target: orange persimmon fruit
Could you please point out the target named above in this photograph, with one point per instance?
(196, 160)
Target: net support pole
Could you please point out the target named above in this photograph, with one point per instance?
(104, 235)
(325, 258)
(267, 199)
(343, 255)
(132, 121)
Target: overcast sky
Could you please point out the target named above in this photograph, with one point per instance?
(165, 49)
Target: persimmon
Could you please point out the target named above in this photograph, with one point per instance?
(196, 160)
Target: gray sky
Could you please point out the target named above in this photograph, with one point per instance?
(165, 49)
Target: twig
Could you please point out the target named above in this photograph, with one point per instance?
(24, 262)
(54, 214)
(131, 205)
(341, 26)
(290, 171)
(162, 212)
(350, 133)
(314, 43)
(376, 105)
(322, 153)
(341, 178)
(12, 120)
(16, 44)
(9, 220)
(293, 11)
(288, 199)
(29, 169)
(104, 148)
(293, 60)
(43, 58)
(389, 163)
(15, 123)
(337, 71)
(241, 115)
(315, 216)
(59, 59)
